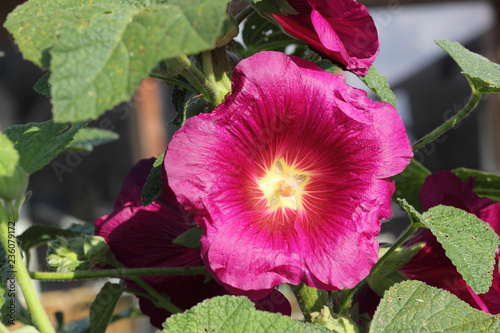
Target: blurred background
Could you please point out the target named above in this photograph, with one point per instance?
(77, 188)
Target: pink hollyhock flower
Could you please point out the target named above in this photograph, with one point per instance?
(289, 177)
(340, 30)
(142, 237)
(431, 265)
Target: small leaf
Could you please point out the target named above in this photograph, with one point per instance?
(190, 238)
(482, 74)
(39, 143)
(87, 138)
(379, 85)
(42, 86)
(485, 184)
(9, 157)
(234, 314)
(101, 310)
(469, 242)
(154, 184)
(413, 306)
(40, 234)
(415, 217)
(409, 182)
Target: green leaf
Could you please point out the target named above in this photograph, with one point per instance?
(379, 85)
(40, 234)
(413, 214)
(409, 182)
(190, 238)
(261, 35)
(413, 306)
(42, 86)
(98, 51)
(485, 184)
(87, 138)
(281, 7)
(482, 74)
(9, 157)
(469, 242)
(388, 274)
(101, 310)
(153, 186)
(227, 314)
(39, 143)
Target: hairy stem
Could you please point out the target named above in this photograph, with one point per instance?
(471, 105)
(21, 273)
(118, 273)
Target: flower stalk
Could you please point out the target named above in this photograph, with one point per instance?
(453, 121)
(118, 273)
(7, 214)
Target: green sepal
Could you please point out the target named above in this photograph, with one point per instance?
(190, 238)
(154, 184)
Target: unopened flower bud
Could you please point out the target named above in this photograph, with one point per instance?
(13, 186)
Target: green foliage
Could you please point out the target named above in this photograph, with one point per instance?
(482, 74)
(42, 86)
(409, 182)
(9, 157)
(77, 254)
(98, 51)
(413, 306)
(485, 184)
(39, 143)
(274, 6)
(154, 185)
(87, 138)
(190, 238)
(234, 314)
(40, 234)
(101, 310)
(469, 242)
(379, 85)
(261, 35)
(388, 274)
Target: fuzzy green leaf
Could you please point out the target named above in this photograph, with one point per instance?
(42, 86)
(153, 186)
(227, 314)
(482, 74)
(379, 85)
(98, 51)
(485, 184)
(101, 310)
(87, 138)
(413, 306)
(9, 157)
(469, 242)
(39, 143)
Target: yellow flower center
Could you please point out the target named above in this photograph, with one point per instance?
(283, 186)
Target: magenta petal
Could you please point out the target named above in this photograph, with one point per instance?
(322, 145)
(340, 30)
(142, 237)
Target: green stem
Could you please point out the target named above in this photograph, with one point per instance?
(118, 273)
(471, 105)
(22, 275)
(241, 16)
(200, 82)
(347, 295)
(208, 67)
(173, 81)
(408, 233)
